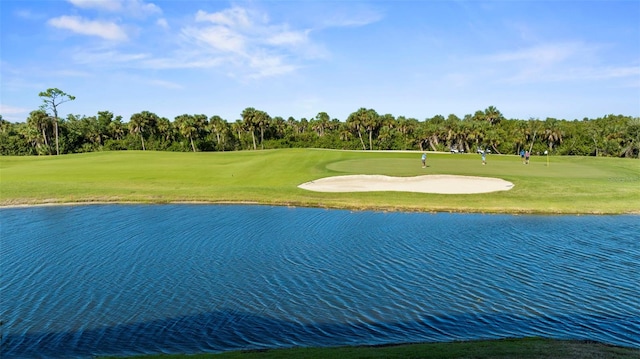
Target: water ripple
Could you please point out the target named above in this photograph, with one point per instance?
(118, 280)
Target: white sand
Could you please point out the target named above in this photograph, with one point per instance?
(444, 184)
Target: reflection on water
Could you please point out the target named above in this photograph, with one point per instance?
(121, 279)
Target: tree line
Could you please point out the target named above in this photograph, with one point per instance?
(43, 133)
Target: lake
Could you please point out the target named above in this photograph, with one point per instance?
(79, 281)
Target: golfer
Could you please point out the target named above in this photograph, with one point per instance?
(424, 159)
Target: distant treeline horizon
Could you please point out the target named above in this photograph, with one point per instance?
(43, 133)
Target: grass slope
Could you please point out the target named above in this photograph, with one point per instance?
(526, 348)
(567, 185)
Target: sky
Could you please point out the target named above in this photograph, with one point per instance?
(565, 59)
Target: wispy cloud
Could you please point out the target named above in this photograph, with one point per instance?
(133, 8)
(70, 73)
(104, 29)
(546, 54)
(6, 109)
(101, 56)
(247, 42)
(219, 38)
(288, 38)
(12, 113)
(163, 23)
(553, 62)
(29, 14)
(352, 17)
(166, 84)
(108, 5)
(243, 42)
(235, 17)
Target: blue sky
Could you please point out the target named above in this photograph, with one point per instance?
(530, 59)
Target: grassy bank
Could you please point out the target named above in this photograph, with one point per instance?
(581, 185)
(527, 348)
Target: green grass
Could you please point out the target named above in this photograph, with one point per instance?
(577, 185)
(526, 348)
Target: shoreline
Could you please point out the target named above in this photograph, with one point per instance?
(515, 212)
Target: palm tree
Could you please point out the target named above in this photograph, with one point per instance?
(321, 123)
(165, 129)
(280, 126)
(303, 125)
(385, 138)
(433, 130)
(249, 123)
(364, 119)
(372, 124)
(472, 132)
(492, 115)
(187, 127)
(422, 134)
(406, 127)
(518, 134)
(453, 132)
(116, 129)
(552, 132)
(142, 122)
(262, 120)
(136, 126)
(532, 129)
(344, 132)
(218, 126)
(39, 122)
(494, 137)
(237, 127)
(294, 125)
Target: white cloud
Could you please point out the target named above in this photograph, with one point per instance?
(546, 54)
(98, 57)
(28, 14)
(10, 110)
(266, 65)
(162, 22)
(235, 17)
(218, 38)
(288, 38)
(134, 8)
(109, 5)
(104, 29)
(139, 8)
(13, 114)
(247, 42)
(361, 16)
(166, 84)
(550, 62)
(71, 73)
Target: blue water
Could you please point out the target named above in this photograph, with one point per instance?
(80, 281)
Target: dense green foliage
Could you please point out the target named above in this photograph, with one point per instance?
(526, 348)
(611, 135)
(567, 184)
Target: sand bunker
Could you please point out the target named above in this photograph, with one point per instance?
(444, 184)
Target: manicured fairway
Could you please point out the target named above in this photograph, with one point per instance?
(565, 185)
